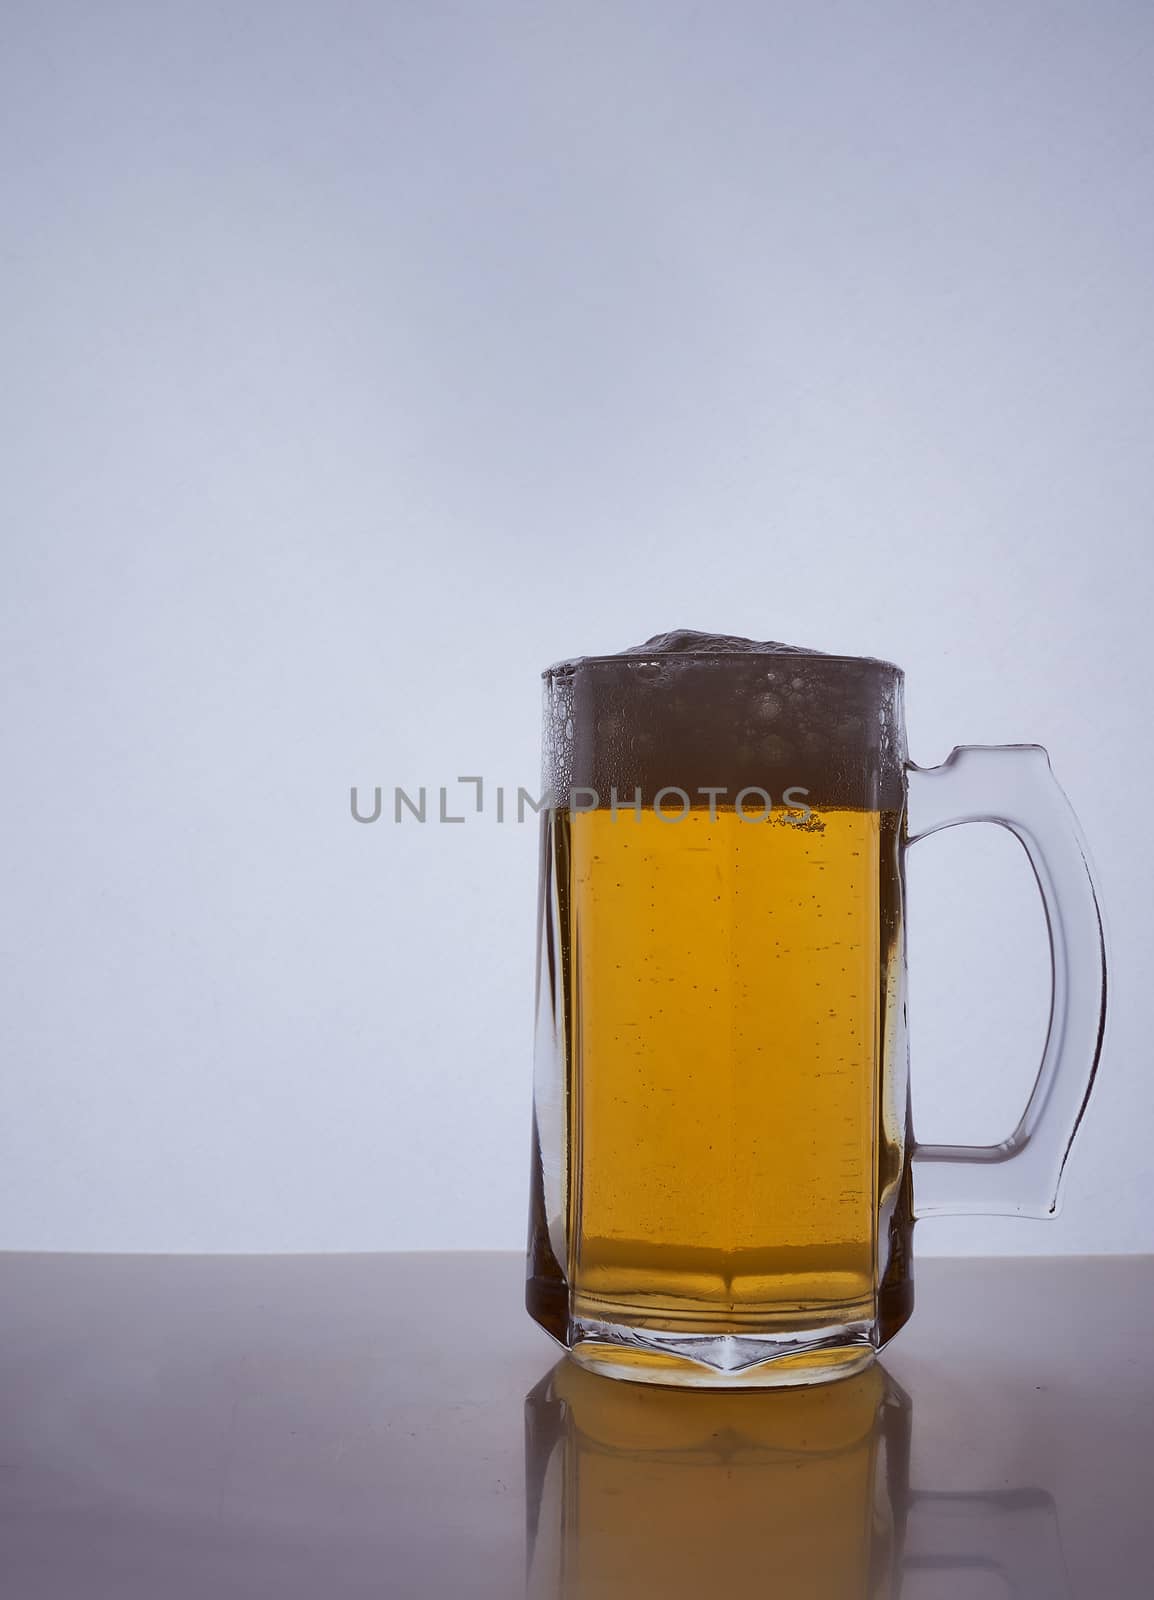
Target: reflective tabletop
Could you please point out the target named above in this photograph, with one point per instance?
(395, 1426)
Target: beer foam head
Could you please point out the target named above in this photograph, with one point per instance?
(695, 711)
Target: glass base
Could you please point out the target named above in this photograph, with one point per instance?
(721, 1361)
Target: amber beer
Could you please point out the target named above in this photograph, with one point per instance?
(732, 978)
(721, 1008)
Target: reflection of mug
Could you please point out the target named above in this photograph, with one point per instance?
(724, 1182)
(637, 1491)
(1004, 1544)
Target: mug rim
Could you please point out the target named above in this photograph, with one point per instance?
(809, 658)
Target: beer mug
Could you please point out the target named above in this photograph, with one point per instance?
(724, 1177)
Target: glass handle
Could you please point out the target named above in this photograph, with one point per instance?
(1014, 786)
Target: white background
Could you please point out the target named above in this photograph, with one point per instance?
(362, 358)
